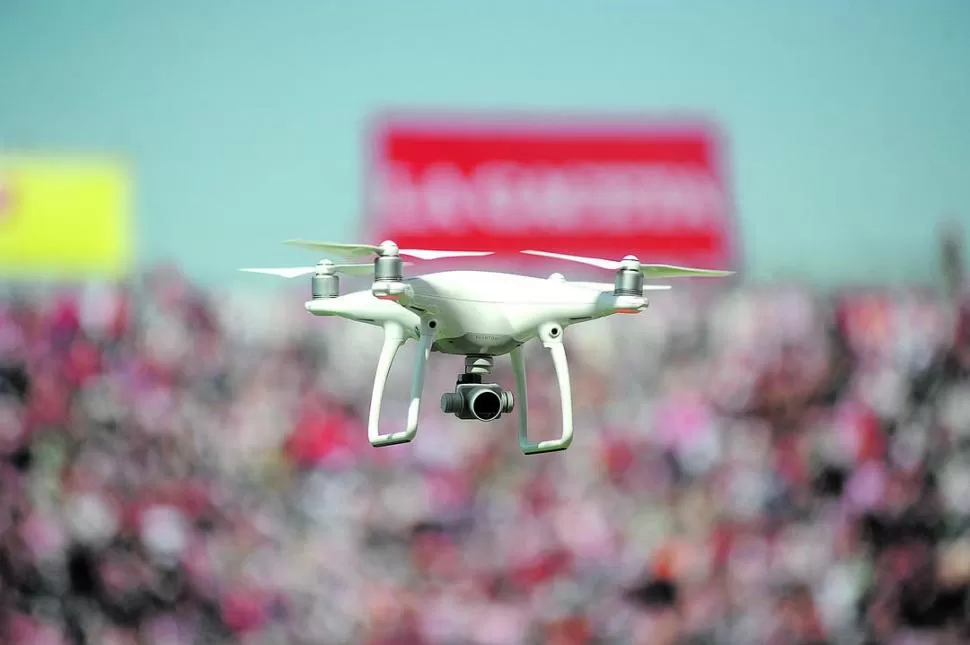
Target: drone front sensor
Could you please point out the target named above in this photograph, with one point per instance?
(478, 314)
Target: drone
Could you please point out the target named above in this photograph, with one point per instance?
(475, 314)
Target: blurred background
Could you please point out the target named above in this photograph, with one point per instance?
(780, 459)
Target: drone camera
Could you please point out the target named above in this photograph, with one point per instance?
(480, 401)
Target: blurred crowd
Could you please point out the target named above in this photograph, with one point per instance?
(756, 466)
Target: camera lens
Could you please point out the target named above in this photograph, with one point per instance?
(485, 404)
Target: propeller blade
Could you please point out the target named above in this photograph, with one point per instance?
(663, 271)
(352, 250)
(283, 272)
(651, 271)
(434, 255)
(363, 269)
(609, 286)
(595, 286)
(611, 265)
(337, 248)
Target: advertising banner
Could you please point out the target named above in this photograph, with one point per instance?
(63, 217)
(601, 187)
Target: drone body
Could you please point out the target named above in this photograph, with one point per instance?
(477, 314)
(480, 312)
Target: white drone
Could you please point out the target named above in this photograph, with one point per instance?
(476, 314)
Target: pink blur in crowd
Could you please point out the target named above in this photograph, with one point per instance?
(765, 466)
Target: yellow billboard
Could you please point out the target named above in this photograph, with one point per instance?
(64, 217)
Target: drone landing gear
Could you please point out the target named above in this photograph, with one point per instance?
(550, 335)
(393, 339)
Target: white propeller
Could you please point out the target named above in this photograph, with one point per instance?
(293, 272)
(654, 271)
(385, 248)
(609, 286)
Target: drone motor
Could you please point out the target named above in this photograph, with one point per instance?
(388, 273)
(629, 279)
(388, 268)
(325, 282)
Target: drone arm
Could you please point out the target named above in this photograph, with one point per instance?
(551, 337)
(394, 337)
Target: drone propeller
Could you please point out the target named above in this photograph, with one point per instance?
(324, 267)
(609, 286)
(385, 248)
(653, 271)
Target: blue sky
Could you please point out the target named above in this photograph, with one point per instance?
(244, 121)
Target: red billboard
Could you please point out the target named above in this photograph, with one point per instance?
(592, 187)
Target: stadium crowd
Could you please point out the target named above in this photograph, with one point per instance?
(760, 466)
